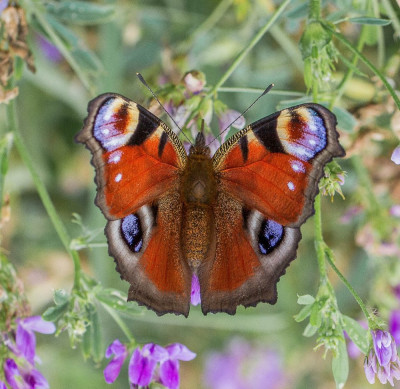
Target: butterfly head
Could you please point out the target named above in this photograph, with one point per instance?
(199, 146)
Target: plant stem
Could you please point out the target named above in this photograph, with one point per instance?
(349, 287)
(345, 42)
(120, 323)
(239, 59)
(42, 191)
(319, 240)
(314, 10)
(36, 9)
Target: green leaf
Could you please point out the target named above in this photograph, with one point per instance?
(310, 330)
(340, 364)
(303, 314)
(306, 299)
(54, 313)
(97, 341)
(117, 300)
(357, 333)
(60, 297)
(350, 65)
(80, 12)
(87, 340)
(315, 317)
(346, 120)
(5, 147)
(370, 21)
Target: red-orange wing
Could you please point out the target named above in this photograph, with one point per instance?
(138, 160)
(268, 177)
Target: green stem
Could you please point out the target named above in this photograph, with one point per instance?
(346, 43)
(42, 191)
(392, 16)
(319, 240)
(329, 257)
(248, 47)
(314, 10)
(258, 91)
(120, 323)
(239, 59)
(350, 71)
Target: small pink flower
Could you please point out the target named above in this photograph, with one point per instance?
(195, 298)
(120, 353)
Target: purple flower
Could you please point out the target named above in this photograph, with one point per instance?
(169, 367)
(2, 385)
(13, 375)
(25, 337)
(382, 360)
(143, 363)
(194, 82)
(35, 379)
(243, 366)
(3, 6)
(396, 155)
(395, 210)
(120, 352)
(394, 325)
(195, 298)
(227, 117)
(49, 50)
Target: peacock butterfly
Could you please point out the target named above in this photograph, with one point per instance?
(232, 219)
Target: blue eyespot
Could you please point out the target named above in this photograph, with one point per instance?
(132, 233)
(270, 235)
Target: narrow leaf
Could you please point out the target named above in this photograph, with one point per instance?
(371, 21)
(60, 297)
(357, 333)
(303, 314)
(309, 331)
(54, 313)
(340, 364)
(80, 12)
(117, 300)
(346, 120)
(305, 299)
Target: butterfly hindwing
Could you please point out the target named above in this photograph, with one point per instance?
(138, 159)
(271, 171)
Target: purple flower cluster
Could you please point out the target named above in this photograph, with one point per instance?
(151, 363)
(20, 371)
(242, 366)
(396, 155)
(382, 360)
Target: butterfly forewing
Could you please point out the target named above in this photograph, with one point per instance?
(138, 160)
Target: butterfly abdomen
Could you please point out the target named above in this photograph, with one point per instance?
(198, 193)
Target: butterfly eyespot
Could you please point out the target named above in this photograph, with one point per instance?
(270, 235)
(131, 231)
(118, 177)
(290, 185)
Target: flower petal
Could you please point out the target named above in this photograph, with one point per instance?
(396, 155)
(180, 351)
(382, 345)
(111, 372)
(37, 324)
(116, 348)
(35, 380)
(2, 385)
(26, 342)
(195, 298)
(141, 369)
(169, 374)
(154, 351)
(12, 375)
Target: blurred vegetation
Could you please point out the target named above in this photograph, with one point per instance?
(102, 45)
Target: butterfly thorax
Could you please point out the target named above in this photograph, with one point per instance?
(198, 185)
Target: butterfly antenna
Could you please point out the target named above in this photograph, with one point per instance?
(140, 77)
(267, 89)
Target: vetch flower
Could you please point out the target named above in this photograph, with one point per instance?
(394, 325)
(2, 385)
(25, 337)
(13, 375)
(169, 367)
(120, 353)
(382, 359)
(3, 6)
(195, 298)
(194, 81)
(396, 155)
(243, 366)
(395, 210)
(226, 118)
(143, 363)
(49, 50)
